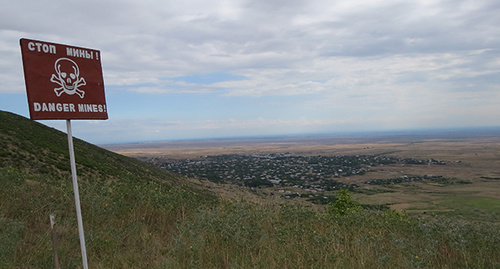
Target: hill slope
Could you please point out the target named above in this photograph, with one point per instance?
(126, 204)
(37, 149)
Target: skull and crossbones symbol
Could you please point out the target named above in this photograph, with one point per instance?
(68, 77)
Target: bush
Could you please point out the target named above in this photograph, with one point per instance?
(344, 205)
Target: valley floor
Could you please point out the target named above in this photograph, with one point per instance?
(471, 169)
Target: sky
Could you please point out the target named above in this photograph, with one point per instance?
(180, 70)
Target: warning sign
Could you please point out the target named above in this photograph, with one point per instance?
(63, 82)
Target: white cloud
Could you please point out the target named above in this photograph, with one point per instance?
(347, 59)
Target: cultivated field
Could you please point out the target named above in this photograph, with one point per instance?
(472, 165)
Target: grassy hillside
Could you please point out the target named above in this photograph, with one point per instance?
(138, 216)
(126, 204)
(36, 149)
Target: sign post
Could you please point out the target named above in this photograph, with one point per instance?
(64, 82)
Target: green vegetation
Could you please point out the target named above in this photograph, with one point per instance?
(344, 205)
(138, 216)
(491, 178)
(125, 222)
(283, 169)
(129, 207)
(371, 191)
(36, 149)
(243, 235)
(473, 207)
(432, 179)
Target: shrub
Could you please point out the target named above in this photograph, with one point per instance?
(344, 205)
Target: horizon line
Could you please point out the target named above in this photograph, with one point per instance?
(470, 131)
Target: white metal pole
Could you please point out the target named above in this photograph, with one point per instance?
(77, 194)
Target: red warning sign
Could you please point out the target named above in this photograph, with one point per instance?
(63, 82)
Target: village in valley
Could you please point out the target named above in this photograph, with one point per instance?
(293, 176)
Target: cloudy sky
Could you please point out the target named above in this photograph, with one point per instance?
(207, 68)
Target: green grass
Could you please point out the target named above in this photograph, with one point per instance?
(125, 222)
(241, 235)
(152, 225)
(138, 216)
(468, 207)
(37, 149)
(472, 207)
(371, 191)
